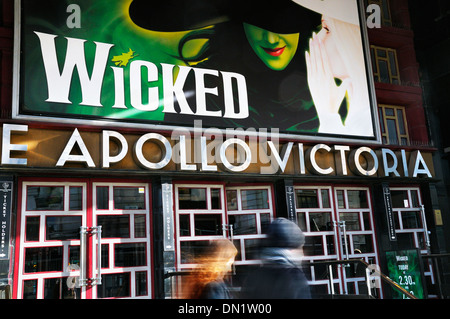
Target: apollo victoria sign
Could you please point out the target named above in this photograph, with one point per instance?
(231, 154)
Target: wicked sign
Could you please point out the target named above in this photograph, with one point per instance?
(162, 64)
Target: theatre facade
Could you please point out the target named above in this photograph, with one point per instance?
(132, 141)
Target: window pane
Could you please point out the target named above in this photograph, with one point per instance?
(43, 259)
(341, 199)
(330, 245)
(401, 121)
(208, 224)
(392, 131)
(32, 228)
(389, 111)
(265, 222)
(185, 228)
(357, 199)
(191, 250)
(192, 198)
(74, 255)
(215, 198)
(252, 249)
(384, 73)
(56, 288)
(381, 53)
(243, 224)
(114, 226)
(130, 255)
(374, 62)
(255, 199)
(399, 199)
(30, 289)
(380, 114)
(105, 255)
(45, 198)
(301, 220)
(114, 285)
(139, 226)
(320, 221)
(75, 200)
(325, 198)
(307, 198)
(313, 246)
(367, 222)
(415, 198)
(129, 198)
(102, 197)
(232, 200)
(351, 220)
(363, 243)
(62, 227)
(393, 63)
(141, 283)
(411, 220)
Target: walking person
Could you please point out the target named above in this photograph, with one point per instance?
(280, 276)
(207, 279)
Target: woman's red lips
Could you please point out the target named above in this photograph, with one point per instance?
(275, 51)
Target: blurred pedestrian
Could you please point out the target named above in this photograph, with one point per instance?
(207, 279)
(280, 276)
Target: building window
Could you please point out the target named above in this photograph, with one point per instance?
(386, 19)
(385, 66)
(394, 129)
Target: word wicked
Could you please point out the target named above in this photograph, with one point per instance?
(59, 83)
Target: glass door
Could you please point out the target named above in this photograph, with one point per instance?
(338, 225)
(60, 227)
(356, 236)
(205, 212)
(122, 211)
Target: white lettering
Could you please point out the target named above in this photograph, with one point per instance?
(85, 157)
(136, 86)
(162, 142)
(7, 147)
(201, 92)
(59, 84)
(311, 154)
(106, 158)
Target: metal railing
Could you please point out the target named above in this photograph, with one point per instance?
(368, 272)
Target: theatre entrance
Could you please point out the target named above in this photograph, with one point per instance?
(338, 224)
(83, 239)
(205, 212)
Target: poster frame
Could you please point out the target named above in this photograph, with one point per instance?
(123, 123)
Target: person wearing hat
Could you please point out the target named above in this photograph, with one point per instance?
(241, 40)
(280, 276)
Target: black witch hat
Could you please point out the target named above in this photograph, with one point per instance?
(281, 16)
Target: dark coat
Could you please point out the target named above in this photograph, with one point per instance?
(277, 282)
(216, 290)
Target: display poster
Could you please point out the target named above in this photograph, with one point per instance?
(6, 188)
(296, 66)
(405, 269)
(389, 212)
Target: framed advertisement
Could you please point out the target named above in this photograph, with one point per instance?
(405, 268)
(296, 67)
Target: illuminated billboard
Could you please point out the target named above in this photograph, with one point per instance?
(300, 67)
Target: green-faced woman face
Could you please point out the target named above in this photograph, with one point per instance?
(274, 49)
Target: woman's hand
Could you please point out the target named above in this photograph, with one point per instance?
(327, 96)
